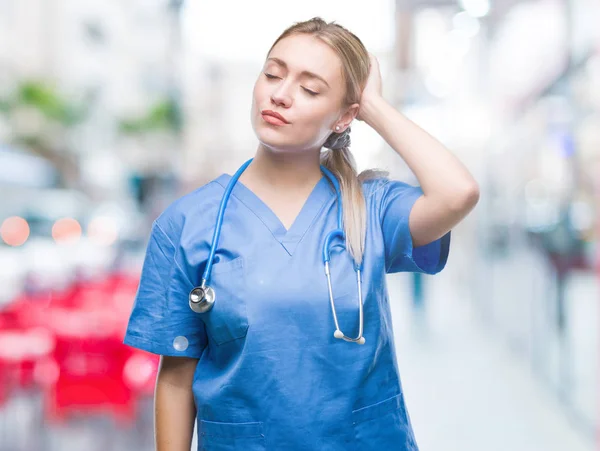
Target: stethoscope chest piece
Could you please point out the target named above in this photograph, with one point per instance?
(202, 299)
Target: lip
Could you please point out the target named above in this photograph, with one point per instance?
(275, 115)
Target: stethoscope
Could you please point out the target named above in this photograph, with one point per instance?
(202, 298)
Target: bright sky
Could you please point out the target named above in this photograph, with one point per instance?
(242, 29)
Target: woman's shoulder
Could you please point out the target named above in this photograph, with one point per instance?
(379, 189)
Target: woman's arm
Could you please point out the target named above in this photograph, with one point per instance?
(450, 192)
(174, 408)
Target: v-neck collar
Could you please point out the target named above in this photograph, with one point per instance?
(288, 238)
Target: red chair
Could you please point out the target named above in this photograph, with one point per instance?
(90, 358)
(69, 344)
(20, 352)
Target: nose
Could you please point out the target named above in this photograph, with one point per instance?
(281, 96)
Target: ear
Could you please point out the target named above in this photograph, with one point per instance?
(346, 118)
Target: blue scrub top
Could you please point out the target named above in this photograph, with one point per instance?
(270, 374)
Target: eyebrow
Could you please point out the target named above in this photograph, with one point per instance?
(304, 72)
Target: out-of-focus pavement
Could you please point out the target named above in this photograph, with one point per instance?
(466, 390)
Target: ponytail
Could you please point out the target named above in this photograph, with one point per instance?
(341, 163)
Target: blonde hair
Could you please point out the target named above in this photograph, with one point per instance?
(355, 63)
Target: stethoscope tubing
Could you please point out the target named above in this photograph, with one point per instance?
(219, 223)
(337, 233)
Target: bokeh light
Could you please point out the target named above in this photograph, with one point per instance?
(103, 230)
(66, 230)
(14, 231)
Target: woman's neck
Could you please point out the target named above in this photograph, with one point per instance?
(283, 171)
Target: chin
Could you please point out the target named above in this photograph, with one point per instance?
(271, 139)
(278, 141)
(276, 146)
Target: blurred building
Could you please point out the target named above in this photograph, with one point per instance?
(118, 60)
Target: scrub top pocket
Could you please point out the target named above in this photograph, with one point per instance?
(217, 436)
(383, 425)
(228, 319)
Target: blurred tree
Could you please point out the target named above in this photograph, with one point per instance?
(49, 102)
(41, 120)
(164, 115)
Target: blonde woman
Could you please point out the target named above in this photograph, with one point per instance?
(264, 292)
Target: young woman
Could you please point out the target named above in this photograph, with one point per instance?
(263, 346)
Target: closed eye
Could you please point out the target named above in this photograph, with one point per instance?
(308, 91)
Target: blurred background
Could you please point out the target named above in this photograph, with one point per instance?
(110, 110)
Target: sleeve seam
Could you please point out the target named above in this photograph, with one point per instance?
(380, 202)
(165, 289)
(164, 233)
(175, 254)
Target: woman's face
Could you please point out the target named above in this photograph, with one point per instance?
(301, 81)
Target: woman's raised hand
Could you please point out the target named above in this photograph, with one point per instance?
(372, 88)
